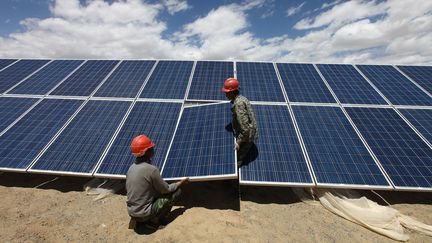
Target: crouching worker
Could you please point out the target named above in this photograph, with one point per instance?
(149, 197)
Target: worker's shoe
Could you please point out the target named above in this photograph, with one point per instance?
(132, 223)
(153, 226)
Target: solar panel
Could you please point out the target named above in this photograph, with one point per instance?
(157, 121)
(11, 109)
(403, 154)
(278, 158)
(126, 80)
(17, 72)
(169, 80)
(22, 143)
(349, 86)
(421, 74)
(46, 78)
(421, 119)
(336, 152)
(84, 80)
(79, 147)
(208, 80)
(202, 146)
(398, 89)
(259, 82)
(6, 62)
(303, 83)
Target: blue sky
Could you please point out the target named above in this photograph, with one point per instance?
(334, 31)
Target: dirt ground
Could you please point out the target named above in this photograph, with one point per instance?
(32, 210)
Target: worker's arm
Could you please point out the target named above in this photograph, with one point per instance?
(161, 186)
(243, 121)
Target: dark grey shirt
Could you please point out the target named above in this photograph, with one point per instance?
(143, 185)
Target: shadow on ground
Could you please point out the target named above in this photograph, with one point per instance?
(211, 194)
(268, 194)
(59, 183)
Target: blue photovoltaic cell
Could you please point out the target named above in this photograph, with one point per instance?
(5, 62)
(398, 89)
(202, 145)
(169, 80)
(303, 83)
(17, 72)
(157, 121)
(22, 143)
(406, 158)
(348, 85)
(126, 80)
(420, 74)
(84, 80)
(421, 119)
(259, 82)
(279, 157)
(208, 80)
(46, 78)
(336, 152)
(81, 144)
(12, 108)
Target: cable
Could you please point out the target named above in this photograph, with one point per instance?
(46, 182)
(381, 198)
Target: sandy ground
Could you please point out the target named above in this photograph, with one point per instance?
(60, 211)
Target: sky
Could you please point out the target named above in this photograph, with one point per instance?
(335, 31)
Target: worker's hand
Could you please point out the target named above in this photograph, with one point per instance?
(184, 181)
(236, 146)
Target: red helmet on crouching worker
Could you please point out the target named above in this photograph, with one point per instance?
(231, 84)
(140, 145)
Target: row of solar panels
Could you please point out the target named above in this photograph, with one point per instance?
(202, 80)
(298, 145)
(91, 137)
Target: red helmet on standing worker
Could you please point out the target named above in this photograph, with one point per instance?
(231, 84)
(140, 145)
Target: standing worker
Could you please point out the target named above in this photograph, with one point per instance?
(149, 197)
(243, 119)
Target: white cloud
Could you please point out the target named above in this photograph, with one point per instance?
(342, 13)
(175, 6)
(294, 10)
(357, 31)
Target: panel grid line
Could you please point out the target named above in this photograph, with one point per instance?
(7, 64)
(303, 84)
(3, 131)
(80, 145)
(395, 86)
(402, 152)
(28, 76)
(17, 72)
(420, 74)
(348, 85)
(22, 143)
(414, 82)
(297, 130)
(46, 78)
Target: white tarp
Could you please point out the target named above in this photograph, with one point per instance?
(360, 210)
(102, 188)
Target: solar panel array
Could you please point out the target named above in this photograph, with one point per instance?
(325, 125)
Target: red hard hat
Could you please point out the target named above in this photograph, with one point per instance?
(140, 145)
(231, 84)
